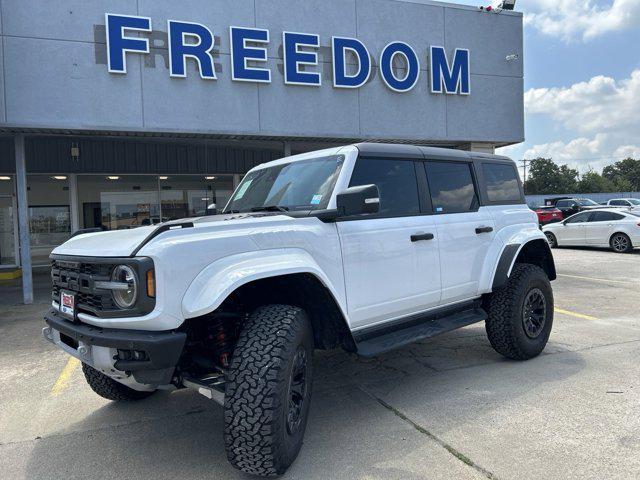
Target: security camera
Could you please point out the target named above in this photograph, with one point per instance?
(508, 5)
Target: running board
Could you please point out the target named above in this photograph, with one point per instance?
(211, 386)
(372, 342)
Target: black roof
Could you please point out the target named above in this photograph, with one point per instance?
(391, 150)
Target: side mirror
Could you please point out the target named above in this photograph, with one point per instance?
(364, 199)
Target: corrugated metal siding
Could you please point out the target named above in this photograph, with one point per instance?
(97, 155)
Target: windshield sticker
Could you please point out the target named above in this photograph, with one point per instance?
(316, 200)
(243, 189)
(439, 209)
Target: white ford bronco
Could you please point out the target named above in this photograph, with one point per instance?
(367, 247)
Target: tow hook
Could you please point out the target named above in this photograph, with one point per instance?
(47, 333)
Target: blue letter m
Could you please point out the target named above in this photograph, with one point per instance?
(456, 78)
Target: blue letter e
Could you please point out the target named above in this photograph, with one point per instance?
(180, 50)
(118, 44)
(340, 46)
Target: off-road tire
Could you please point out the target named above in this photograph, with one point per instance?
(110, 389)
(506, 325)
(256, 433)
(622, 238)
(551, 239)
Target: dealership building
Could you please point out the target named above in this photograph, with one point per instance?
(119, 113)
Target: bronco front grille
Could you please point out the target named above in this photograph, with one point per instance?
(78, 275)
(79, 278)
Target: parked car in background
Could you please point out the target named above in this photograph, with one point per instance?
(605, 227)
(548, 215)
(624, 202)
(571, 206)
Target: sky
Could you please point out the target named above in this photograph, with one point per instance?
(582, 81)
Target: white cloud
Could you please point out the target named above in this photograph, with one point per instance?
(586, 19)
(603, 113)
(599, 105)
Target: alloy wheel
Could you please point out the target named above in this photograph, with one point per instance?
(620, 243)
(297, 390)
(534, 313)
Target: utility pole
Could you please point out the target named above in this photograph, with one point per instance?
(525, 164)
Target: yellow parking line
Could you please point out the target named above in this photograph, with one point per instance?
(574, 314)
(63, 379)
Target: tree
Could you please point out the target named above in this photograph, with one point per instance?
(625, 174)
(546, 177)
(593, 182)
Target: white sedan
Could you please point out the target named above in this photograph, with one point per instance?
(606, 227)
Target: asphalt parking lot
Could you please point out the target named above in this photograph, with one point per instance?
(446, 408)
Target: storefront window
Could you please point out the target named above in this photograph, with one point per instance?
(185, 196)
(49, 215)
(117, 202)
(7, 221)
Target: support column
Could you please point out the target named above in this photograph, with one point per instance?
(287, 149)
(23, 221)
(236, 180)
(73, 203)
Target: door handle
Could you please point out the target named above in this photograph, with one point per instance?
(422, 236)
(480, 230)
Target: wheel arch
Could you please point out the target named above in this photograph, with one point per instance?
(285, 276)
(619, 232)
(534, 251)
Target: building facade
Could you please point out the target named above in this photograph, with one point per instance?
(119, 113)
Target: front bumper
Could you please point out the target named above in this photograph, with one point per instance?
(139, 359)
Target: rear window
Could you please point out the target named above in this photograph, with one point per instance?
(501, 183)
(451, 186)
(605, 217)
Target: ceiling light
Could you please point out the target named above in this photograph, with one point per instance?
(5, 178)
(59, 177)
(113, 177)
(163, 177)
(209, 178)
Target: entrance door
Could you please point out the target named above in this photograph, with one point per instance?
(7, 231)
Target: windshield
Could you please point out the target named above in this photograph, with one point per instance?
(633, 201)
(586, 202)
(302, 185)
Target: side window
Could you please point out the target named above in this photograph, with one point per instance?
(501, 183)
(451, 186)
(605, 217)
(562, 203)
(617, 202)
(580, 217)
(396, 181)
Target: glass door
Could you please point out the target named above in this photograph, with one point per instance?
(7, 231)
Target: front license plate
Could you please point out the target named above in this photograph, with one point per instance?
(67, 304)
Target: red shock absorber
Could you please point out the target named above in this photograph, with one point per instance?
(222, 346)
(222, 340)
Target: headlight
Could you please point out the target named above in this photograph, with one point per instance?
(125, 297)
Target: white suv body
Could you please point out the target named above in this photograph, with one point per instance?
(391, 244)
